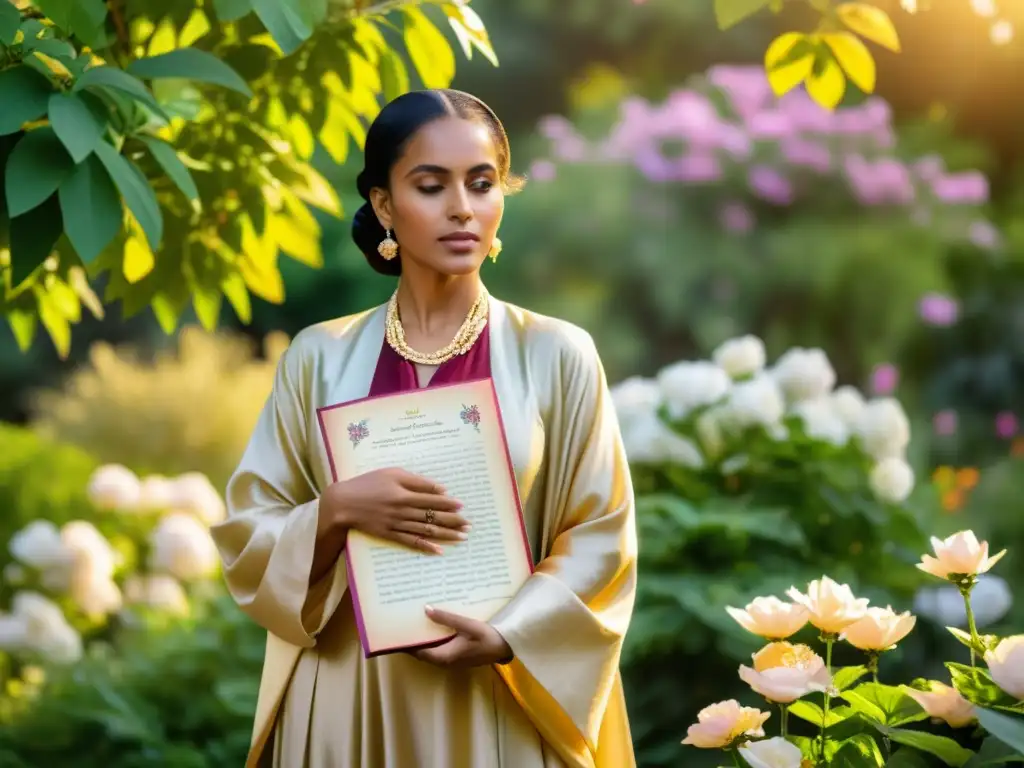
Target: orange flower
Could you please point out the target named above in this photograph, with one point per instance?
(953, 500)
(967, 478)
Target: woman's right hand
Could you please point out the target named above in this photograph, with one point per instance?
(396, 505)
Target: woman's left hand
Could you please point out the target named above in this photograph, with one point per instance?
(476, 644)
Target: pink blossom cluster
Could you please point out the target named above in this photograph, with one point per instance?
(729, 129)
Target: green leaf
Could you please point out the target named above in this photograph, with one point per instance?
(470, 31)
(231, 10)
(728, 13)
(394, 76)
(25, 95)
(190, 64)
(10, 23)
(233, 286)
(995, 752)
(844, 677)
(168, 159)
(984, 642)
(79, 17)
(23, 326)
(907, 757)
(284, 21)
(55, 322)
(207, 303)
(1007, 728)
(33, 236)
(92, 208)
(75, 123)
(107, 77)
(812, 713)
(137, 194)
(947, 750)
(885, 704)
(977, 685)
(428, 49)
(36, 167)
(860, 751)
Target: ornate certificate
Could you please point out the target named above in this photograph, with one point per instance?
(453, 435)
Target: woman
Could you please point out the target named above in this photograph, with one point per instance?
(537, 686)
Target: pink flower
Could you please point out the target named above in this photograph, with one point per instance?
(806, 153)
(768, 184)
(1006, 425)
(884, 379)
(945, 422)
(736, 217)
(698, 167)
(542, 170)
(939, 310)
(966, 187)
(746, 86)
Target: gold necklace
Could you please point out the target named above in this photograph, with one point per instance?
(465, 337)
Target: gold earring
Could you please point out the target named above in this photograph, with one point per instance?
(388, 248)
(495, 249)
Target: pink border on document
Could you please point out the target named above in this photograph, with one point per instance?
(360, 625)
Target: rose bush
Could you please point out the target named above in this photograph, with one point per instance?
(113, 621)
(752, 475)
(850, 721)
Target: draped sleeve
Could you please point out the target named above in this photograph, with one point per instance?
(267, 541)
(566, 625)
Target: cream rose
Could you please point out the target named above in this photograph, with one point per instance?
(959, 555)
(182, 547)
(39, 545)
(159, 592)
(721, 724)
(755, 402)
(770, 618)
(832, 607)
(776, 752)
(944, 703)
(804, 374)
(884, 428)
(879, 630)
(688, 385)
(848, 403)
(46, 629)
(892, 480)
(1006, 664)
(113, 486)
(741, 356)
(635, 397)
(783, 672)
(193, 492)
(821, 421)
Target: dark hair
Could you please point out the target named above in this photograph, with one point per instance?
(385, 142)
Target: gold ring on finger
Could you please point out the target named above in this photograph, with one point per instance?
(429, 517)
(431, 533)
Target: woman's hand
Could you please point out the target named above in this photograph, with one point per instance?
(477, 643)
(396, 505)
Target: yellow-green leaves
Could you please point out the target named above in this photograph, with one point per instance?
(871, 23)
(824, 60)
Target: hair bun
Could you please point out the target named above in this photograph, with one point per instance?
(367, 234)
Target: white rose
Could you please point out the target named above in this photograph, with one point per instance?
(739, 357)
(892, 480)
(775, 752)
(39, 546)
(13, 632)
(821, 421)
(755, 402)
(114, 487)
(648, 440)
(193, 492)
(89, 548)
(1006, 664)
(46, 628)
(93, 591)
(159, 592)
(884, 428)
(991, 600)
(689, 385)
(848, 403)
(634, 398)
(157, 493)
(182, 547)
(804, 374)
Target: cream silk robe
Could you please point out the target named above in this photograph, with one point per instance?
(559, 703)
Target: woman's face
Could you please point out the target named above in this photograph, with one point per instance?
(445, 203)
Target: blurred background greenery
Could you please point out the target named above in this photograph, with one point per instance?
(672, 203)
